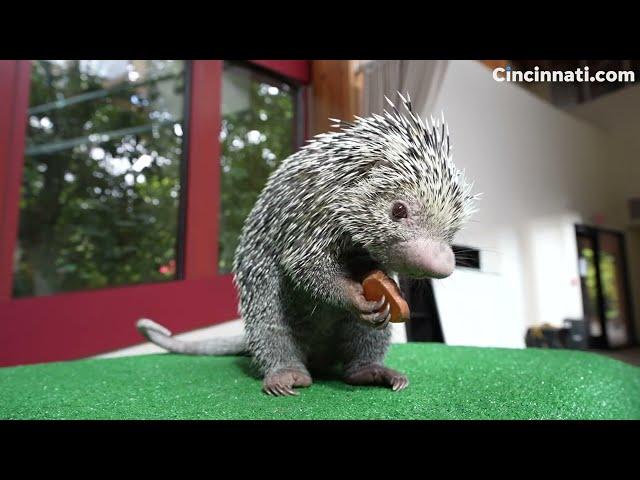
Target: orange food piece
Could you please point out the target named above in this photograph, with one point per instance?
(376, 284)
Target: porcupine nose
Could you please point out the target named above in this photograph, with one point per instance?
(425, 257)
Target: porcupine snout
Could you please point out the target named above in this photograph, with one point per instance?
(423, 257)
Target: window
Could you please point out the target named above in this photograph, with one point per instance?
(102, 174)
(258, 131)
(150, 132)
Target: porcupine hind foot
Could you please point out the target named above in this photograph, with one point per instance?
(281, 382)
(374, 374)
(363, 350)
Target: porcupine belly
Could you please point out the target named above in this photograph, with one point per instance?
(320, 327)
(316, 327)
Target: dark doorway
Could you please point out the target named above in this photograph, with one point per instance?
(424, 323)
(602, 265)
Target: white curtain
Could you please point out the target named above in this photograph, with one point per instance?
(421, 79)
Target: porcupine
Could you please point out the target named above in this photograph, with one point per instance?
(379, 193)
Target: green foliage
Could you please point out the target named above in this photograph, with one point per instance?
(249, 158)
(590, 279)
(87, 220)
(89, 215)
(608, 273)
(608, 277)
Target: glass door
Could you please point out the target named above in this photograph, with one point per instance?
(605, 292)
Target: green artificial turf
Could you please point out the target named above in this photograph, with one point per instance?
(446, 383)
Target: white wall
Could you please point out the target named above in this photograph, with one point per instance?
(540, 171)
(473, 311)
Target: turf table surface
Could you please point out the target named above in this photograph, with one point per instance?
(446, 383)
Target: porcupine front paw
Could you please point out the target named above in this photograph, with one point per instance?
(281, 382)
(367, 311)
(374, 374)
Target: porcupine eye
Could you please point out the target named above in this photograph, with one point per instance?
(399, 210)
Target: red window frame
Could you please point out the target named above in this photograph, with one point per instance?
(72, 325)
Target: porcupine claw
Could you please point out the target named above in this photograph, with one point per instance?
(281, 383)
(378, 319)
(368, 313)
(378, 375)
